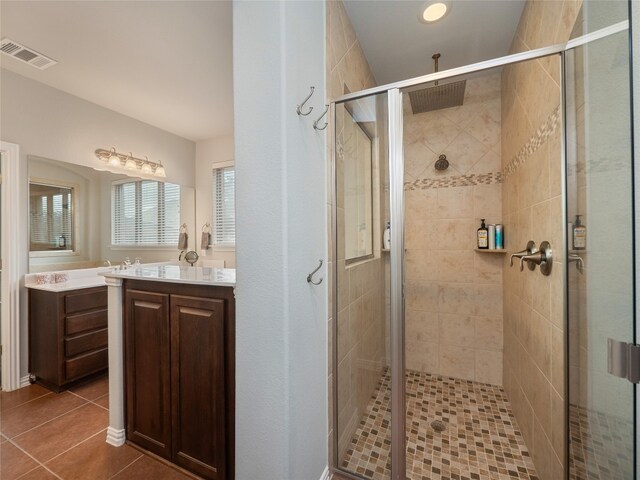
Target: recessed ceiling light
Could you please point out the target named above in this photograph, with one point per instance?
(433, 12)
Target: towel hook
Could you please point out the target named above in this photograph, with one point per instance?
(310, 276)
(299, 108)
(315, 124)
(183, 228)
(206, 227)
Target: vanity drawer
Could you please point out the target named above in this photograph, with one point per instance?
(86, 300)
(85, 343)
(83, 322)
(85, 364)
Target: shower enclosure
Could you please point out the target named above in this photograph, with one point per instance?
(451, 361)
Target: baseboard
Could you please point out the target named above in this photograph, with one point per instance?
(325, 475)
(115, 437)
(24, 381)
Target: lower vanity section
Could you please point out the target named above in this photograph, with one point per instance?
(179, 373)
(67, 334)
(178, 366)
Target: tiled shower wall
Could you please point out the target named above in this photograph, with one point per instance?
(534, 371)
(453, 298)
(361, 334)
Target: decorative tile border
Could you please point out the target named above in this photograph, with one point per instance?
(543, 133)
(546, 130)
(454, 181)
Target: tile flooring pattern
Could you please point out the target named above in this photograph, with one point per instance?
(481, 439)
(601, 446)
(44, 435)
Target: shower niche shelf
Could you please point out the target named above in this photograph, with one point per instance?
(486, 250)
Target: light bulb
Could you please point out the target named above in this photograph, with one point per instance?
(160, 171)
(146, 168)
(114, 160)
(131, 164)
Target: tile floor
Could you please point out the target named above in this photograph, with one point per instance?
(44, 435)
(481, 439)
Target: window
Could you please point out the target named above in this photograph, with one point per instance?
(224, 206)
(358, 188)
(51, 218)
(145, 213)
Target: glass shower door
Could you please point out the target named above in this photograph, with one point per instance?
(600, 234)
(361, 362)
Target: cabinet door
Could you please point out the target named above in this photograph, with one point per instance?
(148, 371)
(198, 385)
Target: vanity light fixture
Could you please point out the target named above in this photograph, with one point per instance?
(146, 167)
(129, 162)
(433, 11)
(160, 171)
(113, 159)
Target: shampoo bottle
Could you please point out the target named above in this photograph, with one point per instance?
(483, 236)
(386, 237)
(579, 234)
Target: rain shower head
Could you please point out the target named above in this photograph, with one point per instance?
(439, 96)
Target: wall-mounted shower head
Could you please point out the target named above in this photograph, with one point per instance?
(442, 163)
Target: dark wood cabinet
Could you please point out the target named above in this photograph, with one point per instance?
(148, 375)
(180, 374)
(67, 335)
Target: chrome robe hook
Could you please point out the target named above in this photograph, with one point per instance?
(299, 107)
(315, 124)
(310, 276)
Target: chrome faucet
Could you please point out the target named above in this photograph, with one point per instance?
(531, 248)
(534, 256)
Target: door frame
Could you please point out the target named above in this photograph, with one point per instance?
(634, 73)
(10, 254)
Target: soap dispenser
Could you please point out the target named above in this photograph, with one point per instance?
(483, 236)
(579, 234)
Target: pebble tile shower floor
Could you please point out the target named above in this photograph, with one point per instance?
(481, 439)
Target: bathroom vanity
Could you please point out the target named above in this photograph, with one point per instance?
(172, 364)
(67, 331)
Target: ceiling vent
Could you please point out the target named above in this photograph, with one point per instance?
(26, 55)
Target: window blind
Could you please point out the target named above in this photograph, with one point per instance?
(145, 213)
(51, 219)
(224, 206)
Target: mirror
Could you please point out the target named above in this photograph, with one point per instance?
(357, 152)
(81, 218)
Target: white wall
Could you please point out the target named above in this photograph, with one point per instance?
(209, 153)
(281, 333)
(49, 123)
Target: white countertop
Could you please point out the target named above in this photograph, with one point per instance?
(81, 278)
(220, 277)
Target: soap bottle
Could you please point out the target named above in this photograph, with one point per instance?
(579, 234)
(386, 237)
(483, 236)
